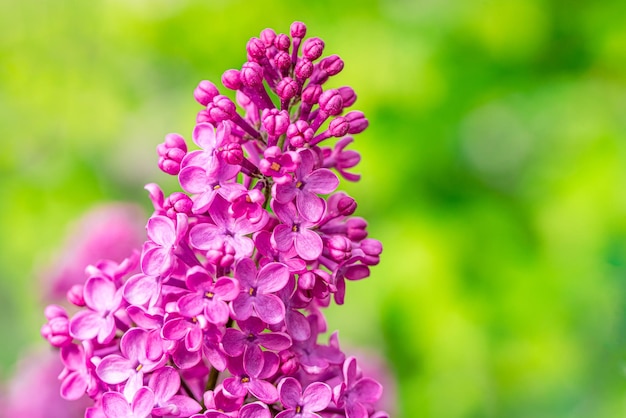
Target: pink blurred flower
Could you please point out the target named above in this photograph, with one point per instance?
(108, 231)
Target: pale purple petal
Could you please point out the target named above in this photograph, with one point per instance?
(308, 244)
(140, 289)
(272, 277)
(270, 308)
(115, 369)
(242, 306)
(321, 181)
(290, 392)
(283, 237)
(143, 402)
(203, 235)
(255, 410)
(161, 230)
(310, 206)
(367, 390)
(115, 405)
(264, 391)
(165, 383)
(317, 396)
(73, 387)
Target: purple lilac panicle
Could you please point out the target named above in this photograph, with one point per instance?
(220, 312)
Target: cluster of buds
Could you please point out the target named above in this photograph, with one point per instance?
(219, 314)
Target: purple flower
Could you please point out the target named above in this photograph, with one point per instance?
(295, 232)
(158, 258)
(257, 291)
(208, 297)
(103, 299)
(251, 338)
(227, 229)
(165, 383)
(307, 184)
(115, 405)
(131, 365)
(249, 377)
(305, 404)
(355, 394)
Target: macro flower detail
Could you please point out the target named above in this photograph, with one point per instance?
(219, 313)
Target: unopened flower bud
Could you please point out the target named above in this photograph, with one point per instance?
(282, 60)
(346, 206)
(222, 108)
(311, 94)
(205, 92)
(332, 65)
(299, 133)
(231, 79)
(177, 202)
(171, 153)
(232, 153)
(256, 49)
(297, 30)
(339, 247)
(313, 48)
(251, 74)
(75, 295)
(303, 69)
(287, 88)
(282, 42)
(331, 102)
(348, 95)
(339, 126)
(267, 36)
(356, 229)
(358, 121)
(275, 121)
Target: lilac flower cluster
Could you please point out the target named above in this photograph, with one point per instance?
(219, 314)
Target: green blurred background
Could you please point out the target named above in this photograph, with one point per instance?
(493, 173)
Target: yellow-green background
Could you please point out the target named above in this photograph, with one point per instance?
(493, 171)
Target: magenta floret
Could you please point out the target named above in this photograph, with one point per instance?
(219, 314)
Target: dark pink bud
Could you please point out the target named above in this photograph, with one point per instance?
(299, 133)
(339, 247)
(171, 153)
(313, 48)
(256, 49)
(346, 205)
(204, 116)
(356, 229)
(282, 60)
(282, 42)
(267, 36)
(222, 108)
(75, 295)
(287, 88)
(56, 330)
(298, 30)
(205, 92)
(311, 94)
(232, 153)
(177, 202)
(251, 74)
(357, 120)
(221, 254)
(339, 127)
(304, 69)
(231, 79)
(275, 121)
(331, 102)
(372, 249)
(332, 65)
(348, 95)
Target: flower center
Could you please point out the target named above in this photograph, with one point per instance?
(298, 409)
(245, 379)
(209, 295)
(252, 291)
(299, 185)
(275, 166)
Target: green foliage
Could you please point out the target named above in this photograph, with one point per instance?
(492, 172)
